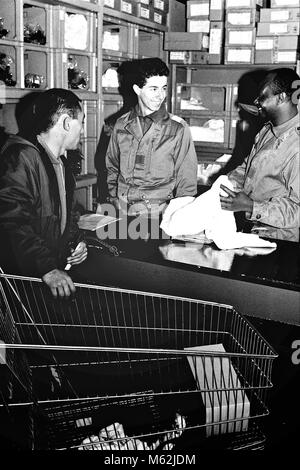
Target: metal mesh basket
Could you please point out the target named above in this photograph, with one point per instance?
(191, 370)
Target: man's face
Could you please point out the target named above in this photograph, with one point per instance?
(152, 94)
(267, 103)
(74, 132)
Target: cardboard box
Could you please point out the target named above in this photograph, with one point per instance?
(241, 17)
(240, 37)
(284, 3)
(278, 29)
(216, 373)
(279, 14)
(233, 4)
(185, 41)
(189, 57)
(216, 40)
(277, 42)
(198, 26)
(239, 55)
(276, 56)
(128, 6)
(197, 8)
(217, 10)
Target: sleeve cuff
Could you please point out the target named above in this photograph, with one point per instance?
(258, 212)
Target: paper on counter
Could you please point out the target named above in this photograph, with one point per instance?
(95, 221)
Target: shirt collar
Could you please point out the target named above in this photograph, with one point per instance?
(155, 116)
(279, 130)
(54, 160)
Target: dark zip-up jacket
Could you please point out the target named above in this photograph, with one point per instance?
(31, 240)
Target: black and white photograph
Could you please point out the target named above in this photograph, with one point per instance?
(149, 229)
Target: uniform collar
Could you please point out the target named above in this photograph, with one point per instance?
(279, 130)
(156, 116)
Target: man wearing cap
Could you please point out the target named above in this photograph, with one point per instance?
(267, 184)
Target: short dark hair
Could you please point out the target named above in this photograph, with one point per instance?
(50, 105)
(146, 68)
(281, 80)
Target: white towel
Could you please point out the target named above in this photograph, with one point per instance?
(190, 216)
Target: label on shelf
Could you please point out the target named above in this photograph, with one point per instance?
(278, 28)
(126, 7)
(264, 44)
(286, 56)
(215, 41)
(240, 37)
(216, 4)
(281, 15)
(199, 9)
(239, 55)
(241, 19)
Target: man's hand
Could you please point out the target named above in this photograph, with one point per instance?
(59, 282)
(235, 202)
(79, 254)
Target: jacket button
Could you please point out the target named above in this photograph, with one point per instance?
(258, 216)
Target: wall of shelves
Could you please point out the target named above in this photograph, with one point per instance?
(52, 43)
(60, 55)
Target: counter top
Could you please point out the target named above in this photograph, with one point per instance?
(278, 267)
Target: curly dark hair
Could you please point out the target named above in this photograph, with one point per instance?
(137, 71)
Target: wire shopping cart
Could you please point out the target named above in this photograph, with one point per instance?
(119, 369)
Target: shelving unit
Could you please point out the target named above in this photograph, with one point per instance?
(116, 31)
(50, 60)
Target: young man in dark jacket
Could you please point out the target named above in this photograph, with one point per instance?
(151, 156)
(36, 191)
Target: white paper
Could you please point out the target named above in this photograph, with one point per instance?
(95, 221)
(222, 393)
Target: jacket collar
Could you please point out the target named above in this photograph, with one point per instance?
(278, 131)
(133, 124)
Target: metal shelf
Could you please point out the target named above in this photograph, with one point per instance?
(133, 19)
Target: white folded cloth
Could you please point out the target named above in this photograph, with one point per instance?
(190, 216)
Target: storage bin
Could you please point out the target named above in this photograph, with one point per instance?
(10, 60)
(198, 99)
(79, 30)
(38, 67)
(10, 17)
(210, 129)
